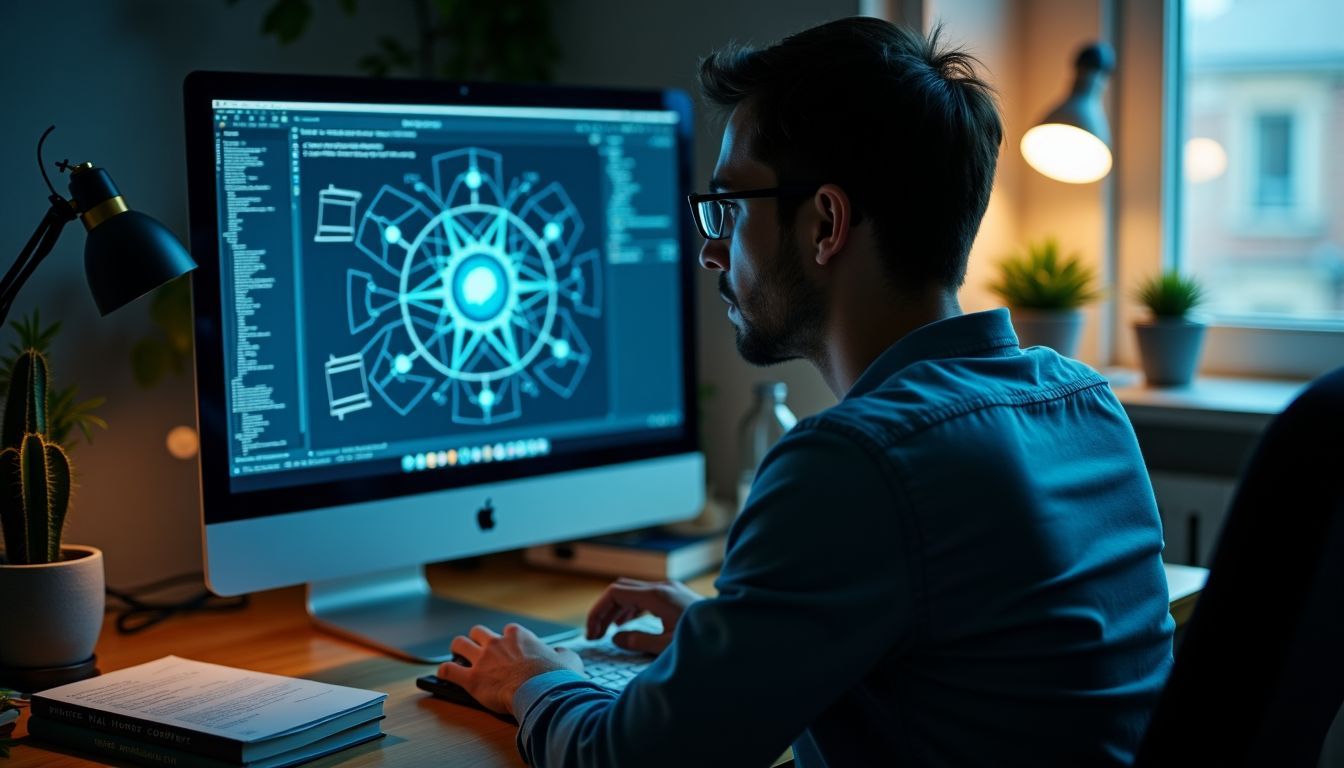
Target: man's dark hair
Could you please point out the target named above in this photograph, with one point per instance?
(905, 127)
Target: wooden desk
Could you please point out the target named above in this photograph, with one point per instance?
(274, 635)
(1184, 583)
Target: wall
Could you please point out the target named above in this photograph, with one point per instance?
(109, 76)
(990, 30)
(1142, 169)
(659, 45)
(1027, 48)
(1053, 33)
(144, 509)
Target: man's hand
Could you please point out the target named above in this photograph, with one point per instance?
(502, 663)
(626, 599)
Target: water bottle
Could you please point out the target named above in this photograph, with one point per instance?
(766, 422)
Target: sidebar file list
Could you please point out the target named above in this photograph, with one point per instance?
(257, 282)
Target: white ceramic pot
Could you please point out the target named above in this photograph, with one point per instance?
(54, 610)
(1059, 329)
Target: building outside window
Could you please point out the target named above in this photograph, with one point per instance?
(1261, 206)
(1274, 156)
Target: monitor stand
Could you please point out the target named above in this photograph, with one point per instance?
(394, 611)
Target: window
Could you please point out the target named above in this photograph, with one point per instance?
(1260, 213)
(1274, 171)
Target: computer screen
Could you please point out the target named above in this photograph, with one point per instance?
(435, 312)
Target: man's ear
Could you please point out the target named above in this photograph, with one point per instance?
(835, 214)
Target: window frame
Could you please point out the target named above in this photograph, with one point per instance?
(1247, 345)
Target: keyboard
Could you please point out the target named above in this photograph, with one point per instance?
(605, 664)
(609, 666)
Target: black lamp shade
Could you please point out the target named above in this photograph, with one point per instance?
(129, 255)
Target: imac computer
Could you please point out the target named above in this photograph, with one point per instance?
(433, 320)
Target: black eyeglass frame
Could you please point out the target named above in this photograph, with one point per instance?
(695, 200)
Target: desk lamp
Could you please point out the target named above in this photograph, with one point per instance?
(1072, 142)
(127, 254)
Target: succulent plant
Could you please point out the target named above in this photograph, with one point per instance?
(8, 705)
(1040, 278)
(1170, 294)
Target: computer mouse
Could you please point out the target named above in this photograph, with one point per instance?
(443, 689)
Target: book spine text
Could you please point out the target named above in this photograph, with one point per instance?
(147, 731)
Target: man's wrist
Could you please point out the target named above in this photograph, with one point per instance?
(529, 691)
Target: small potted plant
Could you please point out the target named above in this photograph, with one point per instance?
(57, 589)
(9, 716)
(1045, 291)
(1169, 342)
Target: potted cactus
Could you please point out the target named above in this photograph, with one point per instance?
(1045, 292)
(56, 588)
(1169, 342)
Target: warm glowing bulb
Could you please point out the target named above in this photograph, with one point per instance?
(1066, 153)
(1205, 159)
(182, 442)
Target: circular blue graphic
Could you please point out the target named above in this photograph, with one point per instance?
(480, 287)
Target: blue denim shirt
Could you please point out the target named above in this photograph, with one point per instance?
(958, 564)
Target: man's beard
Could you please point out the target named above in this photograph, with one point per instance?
(784, 314)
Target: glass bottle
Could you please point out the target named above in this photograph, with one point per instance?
(766, 422)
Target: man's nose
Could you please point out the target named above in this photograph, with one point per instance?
(714, 255)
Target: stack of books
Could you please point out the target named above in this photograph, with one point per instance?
(178, 712)
(652, 554)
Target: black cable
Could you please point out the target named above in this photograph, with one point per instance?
(40, 165)
(141, 614)
(42, 241)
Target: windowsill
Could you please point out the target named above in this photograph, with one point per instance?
(1251, 225)
(1273, 323)
(1238, 404)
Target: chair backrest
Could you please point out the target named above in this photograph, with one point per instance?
(1259, 675)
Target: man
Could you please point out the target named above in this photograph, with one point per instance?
(958, 564)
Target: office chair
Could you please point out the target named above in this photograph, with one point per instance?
(1259, 675)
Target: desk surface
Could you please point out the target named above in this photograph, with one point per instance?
(274, 635)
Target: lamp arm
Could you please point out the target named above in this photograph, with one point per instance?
(27, 251)
(37, 248)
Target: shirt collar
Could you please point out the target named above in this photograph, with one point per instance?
(974, 334)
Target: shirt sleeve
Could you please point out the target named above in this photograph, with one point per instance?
(815, 589)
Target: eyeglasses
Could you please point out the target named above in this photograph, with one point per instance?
(710, 211)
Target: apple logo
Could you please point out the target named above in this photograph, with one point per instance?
(485, 516)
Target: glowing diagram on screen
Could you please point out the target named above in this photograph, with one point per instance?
(471, 294)
(336, 215)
